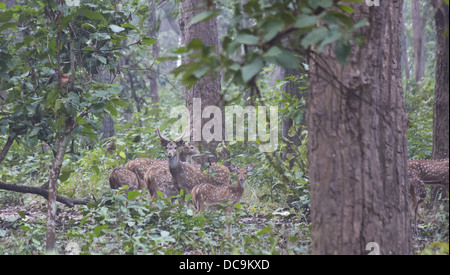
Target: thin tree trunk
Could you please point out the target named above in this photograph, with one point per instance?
(62, 143)
(5, 149)
(153, 75)
(419, 23)
(357, 142)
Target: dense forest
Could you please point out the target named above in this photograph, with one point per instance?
(224, 127)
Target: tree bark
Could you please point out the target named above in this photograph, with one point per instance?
(441, 100)
(419, 23)
(61, 146)
(42, 191)
(153, 75)
(5, 149)
(357, 142)
(208, 88)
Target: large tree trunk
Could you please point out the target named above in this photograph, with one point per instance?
(357, 142)
(441, 100)
(208, 88)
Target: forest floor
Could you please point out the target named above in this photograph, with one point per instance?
(284, 231)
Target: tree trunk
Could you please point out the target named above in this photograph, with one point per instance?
(153, 75)
(419, 23)
(62, 143)
(441, 100)
(208, 88)
(357, 142)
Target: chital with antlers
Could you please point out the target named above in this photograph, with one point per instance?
(141, 165)
(184, 175)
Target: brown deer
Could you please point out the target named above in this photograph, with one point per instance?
(184, 175)
(421, 172)
(205, 194)
(120, 177)
(417, 193)
(432, 172)
(140, 165)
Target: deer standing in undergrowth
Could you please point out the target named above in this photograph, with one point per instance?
(134, 172)
(184, 175)
(120, 177)
(141, 165)
(205, 194)
(421, 172)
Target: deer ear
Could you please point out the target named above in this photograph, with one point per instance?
(250, 167)
(234, 168)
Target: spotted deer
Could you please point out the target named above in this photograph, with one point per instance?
(205, 194)
(421, 172)
(184, 175)
(120, 177)
(140, 165)
(417, 193)
(432, 172)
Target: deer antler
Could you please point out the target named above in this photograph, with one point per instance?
(184, 135)
(167, 139)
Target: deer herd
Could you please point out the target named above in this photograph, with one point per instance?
(211, 188)
(179, 172)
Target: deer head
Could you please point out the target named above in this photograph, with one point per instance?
(173, 147)
(241, 173)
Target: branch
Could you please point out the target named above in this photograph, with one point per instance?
(5, 149)
(43, 192)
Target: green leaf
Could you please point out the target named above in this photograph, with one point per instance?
(248, 39)
(51, 98)
(304, 21)
(99, 228)
(272, 28)
(320, 3)
(122, 155)
(93, 15)
(346, 8)
(204, 16)
(111, 109)
(133, 194)
(6, 16)
(116, 28)
(251, 69)
(342, 50)
(287, 60)
(195, 44)
(119, 102)
(314, 37)
(64, 175)
(164, 233)
(148, 41)
(80, 120)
